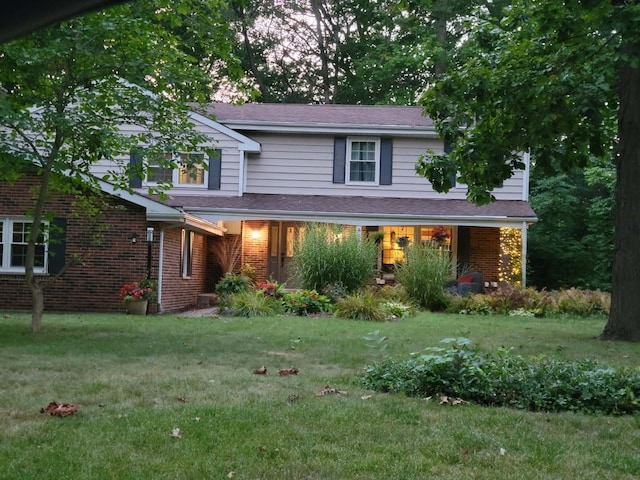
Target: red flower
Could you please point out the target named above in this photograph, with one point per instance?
(135, 291)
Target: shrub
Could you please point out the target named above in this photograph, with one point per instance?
(233, 283)
(249, 271)
(271, 288)
(253, 303)
(393, 293)
(397, 309)
(508, 299)
(331, 255)
(361, 306)
(305, 302)
(581, 302)
(505, 379)
(423, 274)
(335, 291)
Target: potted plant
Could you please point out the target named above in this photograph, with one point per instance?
(439, 235)
(135, 297)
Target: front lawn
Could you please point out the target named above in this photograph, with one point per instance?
(168, 397)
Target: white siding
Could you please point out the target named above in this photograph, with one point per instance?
(229, 167)
(303, 164)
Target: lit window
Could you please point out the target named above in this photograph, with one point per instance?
(363, 161)
(186, 174)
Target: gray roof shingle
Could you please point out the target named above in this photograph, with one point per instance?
(354, 206)
(301, 114)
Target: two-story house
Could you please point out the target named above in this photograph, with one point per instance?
(270, 169)
(352, 165)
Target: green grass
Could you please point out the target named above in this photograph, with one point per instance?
(127, 374)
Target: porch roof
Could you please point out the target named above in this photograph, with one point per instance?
(356, 210)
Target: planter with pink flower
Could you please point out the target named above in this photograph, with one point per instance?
(136, 296)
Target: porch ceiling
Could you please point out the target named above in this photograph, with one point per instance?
(356, 210)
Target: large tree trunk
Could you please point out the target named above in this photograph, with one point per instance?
(624, 317)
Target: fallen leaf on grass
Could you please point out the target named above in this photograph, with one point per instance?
(60, 410)
(288, 371)
(261, 371)
(453, 401)
(231, 474)
(365, 397)
(327, 390)
(176, 433)
(181, 400)
(502, 451)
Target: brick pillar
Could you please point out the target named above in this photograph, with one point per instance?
(484, 252)
(255, 242)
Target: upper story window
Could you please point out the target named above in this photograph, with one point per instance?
(363, 160)
(14, 236)
(185, 174)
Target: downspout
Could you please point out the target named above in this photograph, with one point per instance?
(241, 172)
(160, 267)
(525, 198)
(526, 175)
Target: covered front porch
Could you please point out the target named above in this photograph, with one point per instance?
(496, 252)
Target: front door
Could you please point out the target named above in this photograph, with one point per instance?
(282, 239)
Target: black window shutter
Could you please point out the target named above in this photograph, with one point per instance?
(447, 149)
(386, 161)
(135, 162)
(57, 244)
(339, 159)
(215, 170)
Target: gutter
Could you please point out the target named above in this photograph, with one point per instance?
(332, 128)
(364, 219)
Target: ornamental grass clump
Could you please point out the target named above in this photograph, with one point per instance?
(361, 306)
(423, 275)
(332, 254)
(253, 303)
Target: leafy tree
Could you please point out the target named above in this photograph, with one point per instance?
(65, 91)
(572, 243)
(352, 51)
(558, 79)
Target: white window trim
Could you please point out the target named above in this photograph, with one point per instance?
(175, 174)
(347, 162)
(6, 240)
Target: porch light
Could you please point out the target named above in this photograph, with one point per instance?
(255, 234)
(149, 244)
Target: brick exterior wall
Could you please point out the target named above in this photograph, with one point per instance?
(109, 259)
(179, 292)
(255, 250)
(484, 254)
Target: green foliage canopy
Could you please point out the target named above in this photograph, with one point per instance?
(539, 78)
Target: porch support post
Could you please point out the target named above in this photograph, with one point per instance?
(523, 231)
(359, 232)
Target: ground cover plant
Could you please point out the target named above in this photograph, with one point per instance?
(501, 378)
(169, 397)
